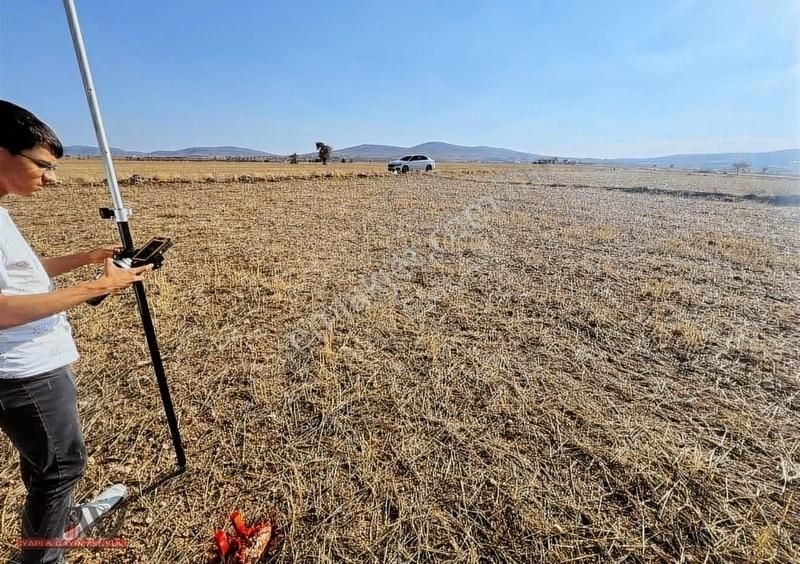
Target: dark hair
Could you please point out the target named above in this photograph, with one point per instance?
(21, 130)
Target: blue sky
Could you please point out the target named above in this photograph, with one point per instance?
(601, 79)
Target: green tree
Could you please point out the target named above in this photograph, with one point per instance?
(324, 152)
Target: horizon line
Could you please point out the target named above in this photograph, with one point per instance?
(658, 156)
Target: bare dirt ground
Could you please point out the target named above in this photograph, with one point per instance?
(486, 364)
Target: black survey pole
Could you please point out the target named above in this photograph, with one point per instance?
(121, 215)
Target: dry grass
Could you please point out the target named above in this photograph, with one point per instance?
(88, 171)
(502, 366)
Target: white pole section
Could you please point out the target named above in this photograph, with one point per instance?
(121, 213)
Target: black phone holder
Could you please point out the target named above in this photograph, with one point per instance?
(151, 253)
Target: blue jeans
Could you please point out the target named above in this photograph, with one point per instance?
(39, 415)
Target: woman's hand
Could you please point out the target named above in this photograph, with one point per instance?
(97, 256)
(115, 278)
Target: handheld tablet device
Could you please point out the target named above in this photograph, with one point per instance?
(151, 253)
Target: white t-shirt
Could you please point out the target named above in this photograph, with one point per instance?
(39, 346)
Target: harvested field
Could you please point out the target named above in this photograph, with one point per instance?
(87, 171)
(502, 365)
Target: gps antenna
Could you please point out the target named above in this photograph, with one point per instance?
(121, 214)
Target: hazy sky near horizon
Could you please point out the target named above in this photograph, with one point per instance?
(584, 79)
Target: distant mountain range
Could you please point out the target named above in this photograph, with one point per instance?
(787, 160)
(197, 152)
(775, 161)
(438, 151)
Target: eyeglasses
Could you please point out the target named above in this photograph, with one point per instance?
(44, 165)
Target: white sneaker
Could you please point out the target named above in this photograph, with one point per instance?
(85, 516)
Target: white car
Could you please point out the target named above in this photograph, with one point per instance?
(412, 162)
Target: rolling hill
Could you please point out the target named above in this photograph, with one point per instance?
(191, 152)
(438, 151)
(785, 161)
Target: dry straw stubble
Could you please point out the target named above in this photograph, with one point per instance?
(578, 374)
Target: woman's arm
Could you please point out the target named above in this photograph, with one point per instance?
(61, 265)
(18, 310)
